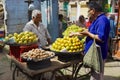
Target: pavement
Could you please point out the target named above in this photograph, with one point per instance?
(112, 68)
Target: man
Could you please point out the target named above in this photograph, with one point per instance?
(38, 28)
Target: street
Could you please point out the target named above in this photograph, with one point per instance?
(112, 68)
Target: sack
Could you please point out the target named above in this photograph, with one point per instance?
(93, 58)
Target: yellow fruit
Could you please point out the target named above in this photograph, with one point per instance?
(15, 34)
(6, 38)
(31, 38)
(10, 35)
(29, 41)
(20, 42)
(35, 40)
(24, 42)
(26, 32)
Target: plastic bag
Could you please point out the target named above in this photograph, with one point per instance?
(93, 58)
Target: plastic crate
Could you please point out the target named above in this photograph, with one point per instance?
(16, 51)
(28, 47)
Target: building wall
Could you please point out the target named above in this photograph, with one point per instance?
(49, 9)
(1, 14)
(16, 15)
(75, 9)
(83, 9)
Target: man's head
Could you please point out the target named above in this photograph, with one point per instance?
(112, 17)
(36, 16)
(94, 9)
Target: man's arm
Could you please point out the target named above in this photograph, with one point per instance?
(48, 36)
(49, 41)
(27, 27)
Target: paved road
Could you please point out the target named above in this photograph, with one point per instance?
(112, 69)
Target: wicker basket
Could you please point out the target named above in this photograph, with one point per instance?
(38, 63)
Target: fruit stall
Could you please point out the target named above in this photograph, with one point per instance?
(21, 42)
(62, 53)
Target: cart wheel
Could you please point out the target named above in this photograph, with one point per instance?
(58, 75)
(85, 72)
(18, 75)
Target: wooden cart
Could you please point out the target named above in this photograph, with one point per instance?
(21, 70)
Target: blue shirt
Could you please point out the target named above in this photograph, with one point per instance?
(100, 27)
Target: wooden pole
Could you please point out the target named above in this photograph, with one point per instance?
(118, 20)
(116, 54)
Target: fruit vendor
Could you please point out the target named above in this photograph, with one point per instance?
(36, 26)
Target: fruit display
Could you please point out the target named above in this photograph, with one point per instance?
(72, 28)
(67, 44)
(21, 38)
(37, 55)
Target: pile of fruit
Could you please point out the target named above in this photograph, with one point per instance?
(21, 38)
(72, 28)
(69, 44)
(37, 54)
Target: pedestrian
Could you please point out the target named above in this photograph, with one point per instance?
(81, 22)
(112, 33)
(89, 22)
(112, 26)
(98, 30)
(35, 25)
(60, 18)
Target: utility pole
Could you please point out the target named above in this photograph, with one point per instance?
(29, 11)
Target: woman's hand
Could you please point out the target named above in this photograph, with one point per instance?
(74, 34)
(86, 33)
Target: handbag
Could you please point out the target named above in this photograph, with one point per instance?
(93, 58)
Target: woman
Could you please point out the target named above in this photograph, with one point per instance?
(81, 22)
(98, 30)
